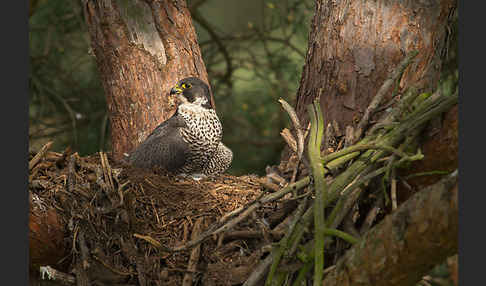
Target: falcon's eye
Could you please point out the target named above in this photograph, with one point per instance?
(186, 85)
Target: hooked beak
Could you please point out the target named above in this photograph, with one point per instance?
(179, 97)
(175, 90)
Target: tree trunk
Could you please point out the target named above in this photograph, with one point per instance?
(354, 45)
(142, 49)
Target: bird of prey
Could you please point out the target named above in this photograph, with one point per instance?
(189, 142)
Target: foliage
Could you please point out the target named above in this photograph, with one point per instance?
(66, 97)
(253, 50)
(251, 61)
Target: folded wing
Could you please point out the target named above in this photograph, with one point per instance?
(164, 147)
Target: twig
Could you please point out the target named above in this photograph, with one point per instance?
(394, 193)
(382, 92)
(273, 174)
(370, 217)
(330, 139)
(56, 275)
(404, 105)
(303, 273)
(300, 136)
(111, 268)
(259, 272)
(130, 251)
(82, 278)
(279, 215)
(341, 234)
(429, 173)
(387, 175)
(279, 252)
(291, 187)
(107, 170)
(362, 180)
(298, 129)
(194, 258)
(346, 201)
(107, 185)
(414, 122)
(289, 139)
(348, 223)
(40, 154)
(300, 230)
(248, 234)
(84, 250)
(152, 241)
(268, 185)
(314, 149)
(283, 225)
(71, 173)
(342, 208)
(362, 147)
(60, 162)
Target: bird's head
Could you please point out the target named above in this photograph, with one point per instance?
(192, 90)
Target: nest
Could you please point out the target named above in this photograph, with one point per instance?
(129, 226)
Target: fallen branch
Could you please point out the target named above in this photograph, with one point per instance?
(408, 236)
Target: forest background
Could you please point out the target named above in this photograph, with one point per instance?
(253, 50)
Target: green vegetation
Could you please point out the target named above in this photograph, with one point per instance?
(259, 61)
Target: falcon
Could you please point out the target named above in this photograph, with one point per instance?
(189, 142)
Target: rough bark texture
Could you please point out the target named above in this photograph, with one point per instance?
(142, 49)
(440, 147)
(46, 234)
(354, 45)
(405, 246)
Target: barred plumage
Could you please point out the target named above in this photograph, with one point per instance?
(190, 141)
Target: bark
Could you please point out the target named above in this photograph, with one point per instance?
(354, 45)
(407, 244)
(46, 234)
(142, 49)
(440, 147)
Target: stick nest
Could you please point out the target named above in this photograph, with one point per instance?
(115, 216)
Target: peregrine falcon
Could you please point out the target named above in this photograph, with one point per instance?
(189, 142)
